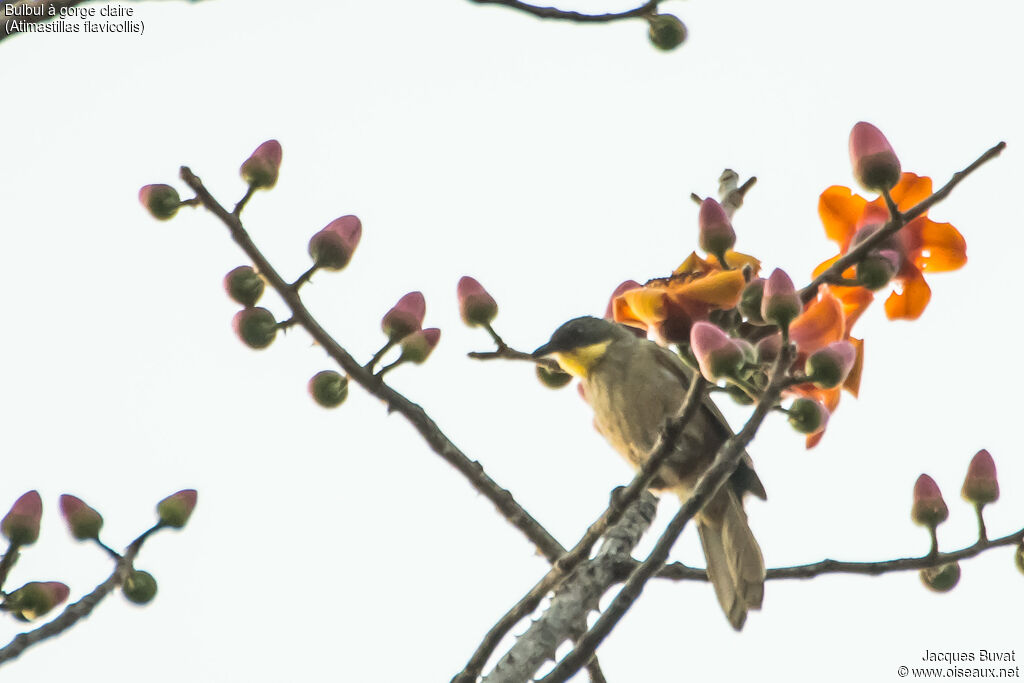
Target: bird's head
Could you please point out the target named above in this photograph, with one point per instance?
(580, 343)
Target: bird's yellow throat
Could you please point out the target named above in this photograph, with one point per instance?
(579, 361)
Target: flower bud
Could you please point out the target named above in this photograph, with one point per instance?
(768, 349)
(175, 509)
(328, 388)
(807, 416)
(716, 234)
(260, 170)
(244, 285)
(828, 367)
(981, 486)
(21, 525)
(750, 301)
(875, 165)
(332, 247)
(717, 355)
(405, 317)
(877, 268)
(83, 521)
(1018, 558)
(556, 379)
(929, 509)
(476, 306)
(417, 347)
(780, 304)
(941, 579)
(162, 201)
(139, 587)
(255, 326)
(666, 31)
(35, 599)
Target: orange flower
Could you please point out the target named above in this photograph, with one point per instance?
(825, 320)
(671, 305)
(922, 245)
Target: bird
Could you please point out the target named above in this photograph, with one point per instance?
(634, 385)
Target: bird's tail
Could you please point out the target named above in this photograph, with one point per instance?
(735, 564)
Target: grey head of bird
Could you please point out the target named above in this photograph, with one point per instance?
(579, 333)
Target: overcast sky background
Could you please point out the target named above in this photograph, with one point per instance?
(551, 161)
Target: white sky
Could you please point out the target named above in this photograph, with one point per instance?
(551, 161)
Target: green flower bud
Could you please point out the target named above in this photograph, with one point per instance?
(666, 31)
(553, 379)
(418, 346)
(255, 326)
(21, 524)
(780, 303)
(260, 170)
(162, 201)
(139, 587)
(875, 164)
(929, 509)
(807, 416)
(332, 247)
(717, 354)
(35, 599)
(405, 317)
(328, 388)
(750, 301)
(941, 579)
(244, 285)
(828, 367)
(476, 306)
(981, 486)
(877, 268)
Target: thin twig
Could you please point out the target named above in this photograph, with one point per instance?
(726, 460)
(680, 572)
(568, 15)
(621, 500)
(502, 499)
(77, 611)
(508, 353)
(855, 255)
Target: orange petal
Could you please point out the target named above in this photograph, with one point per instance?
(721, 289)
(812, 440)
(911, 302)
(821, 323)
(939, 246)
(855, 301)
(840, 210)
(825, 265)
(695, 264)
(852, 382)
(739, 261)
(910, 191)
(645, 305)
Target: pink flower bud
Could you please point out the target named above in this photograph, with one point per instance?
(405, 317)
(981, 486)
(255, 326)
(767, 349)
(928, 509)
(717, 355)
(875, 165)
(808, 416)
(716, 233)
(328, 388)
(35, 599)
(162, 201)
(476, 306)
(332, 247)
(780, 303)
(83, 521)
(21, 525)
(828, 367)
(418, 346)
(175, 509)
(260, 170)
(244, 285)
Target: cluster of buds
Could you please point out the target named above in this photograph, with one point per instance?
(21, 528)
(929, 510)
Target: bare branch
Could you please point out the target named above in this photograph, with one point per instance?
(645, 9)
(396, 402)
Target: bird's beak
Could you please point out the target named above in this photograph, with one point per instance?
(543, 350)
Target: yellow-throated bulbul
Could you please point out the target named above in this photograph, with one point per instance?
(634, 385)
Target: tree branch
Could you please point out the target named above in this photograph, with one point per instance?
(396, 402)
(647, 8)
(77, 611)
(576, 597)
(854, 256)
(621, 500)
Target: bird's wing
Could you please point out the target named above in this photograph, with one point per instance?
(744, 479)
